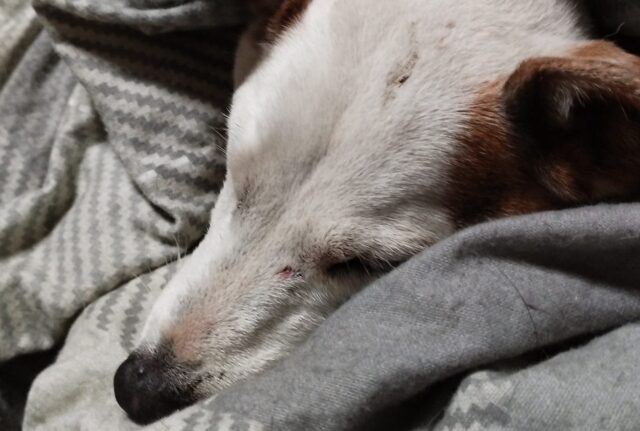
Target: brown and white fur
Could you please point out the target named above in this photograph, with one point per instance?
(362, 132)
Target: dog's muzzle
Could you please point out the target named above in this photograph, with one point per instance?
(144, 390)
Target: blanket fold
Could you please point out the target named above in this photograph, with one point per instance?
(111, 156)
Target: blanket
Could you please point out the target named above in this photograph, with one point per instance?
(111, 156)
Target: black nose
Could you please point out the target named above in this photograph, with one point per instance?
(143, 389)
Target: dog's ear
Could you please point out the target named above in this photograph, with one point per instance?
(576, 121)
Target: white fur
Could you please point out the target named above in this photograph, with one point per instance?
(338, 146)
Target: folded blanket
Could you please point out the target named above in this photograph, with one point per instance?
(111, 145)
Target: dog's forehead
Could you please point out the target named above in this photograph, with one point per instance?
(370, 95)
(398, 62)
(333, 85)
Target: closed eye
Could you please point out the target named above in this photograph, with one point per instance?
(361, 266)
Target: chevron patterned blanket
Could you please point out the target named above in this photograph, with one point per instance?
(111, 154)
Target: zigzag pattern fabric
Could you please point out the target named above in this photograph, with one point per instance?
(111, 153)
(111, 143)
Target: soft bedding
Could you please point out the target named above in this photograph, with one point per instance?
(111, 154)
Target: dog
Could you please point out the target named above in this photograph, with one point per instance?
(363, 132)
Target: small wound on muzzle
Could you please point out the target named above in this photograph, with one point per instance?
(286, 273)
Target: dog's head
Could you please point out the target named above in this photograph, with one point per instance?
(368, 131)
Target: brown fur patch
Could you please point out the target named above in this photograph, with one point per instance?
(487, 179)
(559, 132)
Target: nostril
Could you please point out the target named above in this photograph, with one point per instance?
(142, 389)
(136, 384)
(124, 386)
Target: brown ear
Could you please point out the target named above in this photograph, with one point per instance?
(576, 122)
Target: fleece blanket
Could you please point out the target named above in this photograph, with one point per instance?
(111, 145)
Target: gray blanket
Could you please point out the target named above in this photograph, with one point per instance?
(111, 135)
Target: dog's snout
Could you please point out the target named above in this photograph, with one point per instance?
(143, 389)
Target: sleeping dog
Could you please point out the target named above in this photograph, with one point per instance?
(362, 132)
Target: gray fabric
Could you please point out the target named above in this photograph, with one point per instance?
(110, 160)
(488, 294)
(111, 155)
